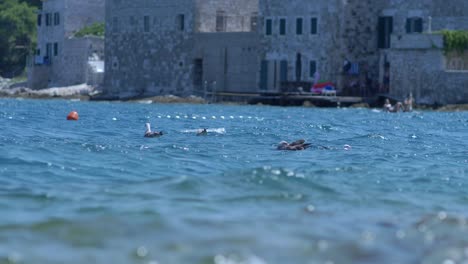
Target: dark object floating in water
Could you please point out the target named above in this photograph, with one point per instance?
(296, 145)
(151, 134)
(202, 132)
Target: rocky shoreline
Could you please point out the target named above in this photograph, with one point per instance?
(85, 92)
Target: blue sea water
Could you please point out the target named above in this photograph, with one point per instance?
(97, 191)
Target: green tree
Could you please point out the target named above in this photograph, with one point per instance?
(17, 35)
(35, 3)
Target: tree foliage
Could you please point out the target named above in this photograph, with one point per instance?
(455, 40)
(96, 29)
(17, 35)
(35, 3)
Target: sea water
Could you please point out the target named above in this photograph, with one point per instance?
(97, 191)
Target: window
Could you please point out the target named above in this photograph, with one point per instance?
(298, 67)
(253, 22)
(282, 26)
(268, 26)
(313, 26)
(385, 30)
(56, 19)
(181, 22)
(312, 68)
(198, 73)
(48, 19)
(55, 49)
(39, 20)
(146, 24)
(299, 26)
(220, 21)
(283, 71)
(414, 25)
(38, 52)
(47, 58)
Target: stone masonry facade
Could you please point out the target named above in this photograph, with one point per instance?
(155, 47)
(185, 47)
(61, 59)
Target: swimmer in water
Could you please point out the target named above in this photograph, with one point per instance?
(296, 145)
(151, 134)
(408, 103)
(202, 132)
(392, 109)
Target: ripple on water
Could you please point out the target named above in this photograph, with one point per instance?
(97, 191)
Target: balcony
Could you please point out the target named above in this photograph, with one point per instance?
(417, 41)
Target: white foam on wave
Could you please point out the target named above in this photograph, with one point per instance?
(221, 130)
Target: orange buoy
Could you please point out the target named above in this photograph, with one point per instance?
(73, 115)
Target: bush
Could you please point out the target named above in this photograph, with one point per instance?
(455, 40)
(96, 29)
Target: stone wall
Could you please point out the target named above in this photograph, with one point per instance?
(157, 58)
(230, 61)
(81, 13)
(456, 61)
(419, 66)
(418, 63)
(237, 16)
(152, 61)
(50, 33)
(67, 58)
(38, 77)
(321, 47)
(72, 67)
(149, 53)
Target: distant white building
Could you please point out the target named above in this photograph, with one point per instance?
(60, 58)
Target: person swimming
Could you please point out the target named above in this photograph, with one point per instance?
(202, 132)
(296, 145)
(151, 134)
(392, 109)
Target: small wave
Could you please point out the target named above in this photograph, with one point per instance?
(376, 136)
(209, 130)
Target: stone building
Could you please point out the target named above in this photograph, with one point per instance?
(416, 62)
(186, 47)
(299, 38)
(180, 47)
(61, 59)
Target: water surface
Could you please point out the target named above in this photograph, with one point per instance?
(97, 191)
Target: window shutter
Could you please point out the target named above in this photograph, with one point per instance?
(408, 25)
(418, 25)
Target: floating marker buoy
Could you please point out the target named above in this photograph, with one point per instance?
(73, 115)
